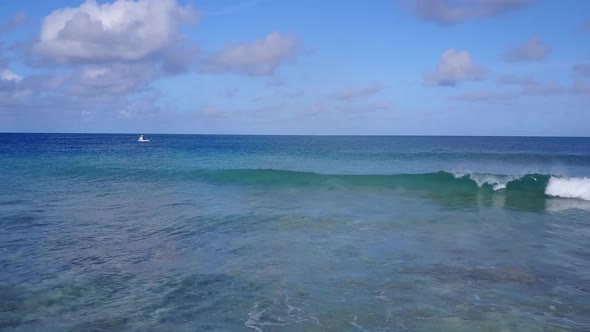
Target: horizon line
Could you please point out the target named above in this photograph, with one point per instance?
(286, 135)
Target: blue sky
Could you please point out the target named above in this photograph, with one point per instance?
(417, 67)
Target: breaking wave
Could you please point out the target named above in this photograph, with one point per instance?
(569, 188)
(533, 184)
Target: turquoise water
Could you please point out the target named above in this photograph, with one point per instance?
(279, 233)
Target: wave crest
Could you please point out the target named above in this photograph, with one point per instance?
(569, 188)
(442, 182)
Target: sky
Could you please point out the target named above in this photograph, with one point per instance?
(379, 67)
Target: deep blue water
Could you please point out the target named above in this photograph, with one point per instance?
(294, 233)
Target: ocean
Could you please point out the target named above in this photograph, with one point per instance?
(294, 233)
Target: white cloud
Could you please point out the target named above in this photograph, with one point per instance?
(455, 67)
(294, 94)
(230, 93)
(321, 108)
(13, 22)
(451, 11)
(233, 7)
(515, 80)
(358, 92)
(111, 79)
(377, 105)
(533, 50)
(582, 69)
(8, 75)
(276, 82)
(111, 52)
(119, 31)
(96, 89)
(270, 108)
(581, 87)
(316, 109)
(529, 86)
(261, 57)
(541, 89)
(215, 113)
(31, 92)
(146, 107)
(483, 96)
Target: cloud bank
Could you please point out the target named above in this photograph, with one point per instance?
(102, 57)
(446, 12)
(121, 31)
(483, 96)
(530, 86)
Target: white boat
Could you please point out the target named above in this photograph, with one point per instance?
(141, 139)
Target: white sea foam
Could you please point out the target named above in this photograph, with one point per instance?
(277, 313)
(569, 188)
(254, 318)
(561, 204)
(497, 182)
(357, 325)
(558, 186)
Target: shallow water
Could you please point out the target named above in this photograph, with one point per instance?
(100, 233)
